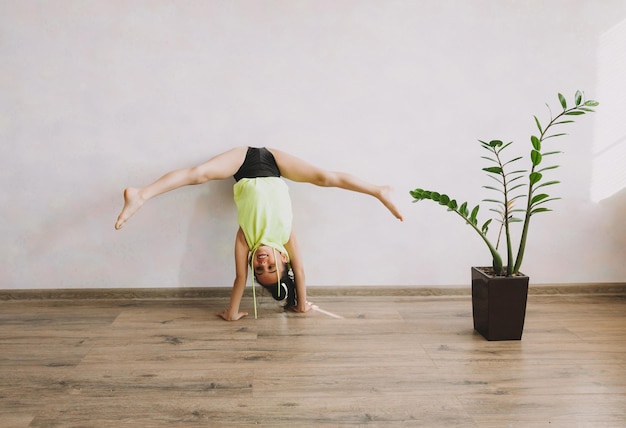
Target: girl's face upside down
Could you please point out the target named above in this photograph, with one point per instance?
(268, 265)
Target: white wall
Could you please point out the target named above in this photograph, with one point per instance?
(99, 95)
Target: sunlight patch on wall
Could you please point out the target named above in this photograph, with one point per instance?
(609, 148)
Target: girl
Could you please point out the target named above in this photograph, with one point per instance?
(265, 237)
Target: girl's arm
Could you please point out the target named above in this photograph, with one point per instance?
(241, 276)
(297, 266)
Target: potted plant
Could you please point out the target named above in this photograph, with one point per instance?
(500, 292)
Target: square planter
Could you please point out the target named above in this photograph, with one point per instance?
(499, 305)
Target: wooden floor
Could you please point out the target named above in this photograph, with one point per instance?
(388, 361)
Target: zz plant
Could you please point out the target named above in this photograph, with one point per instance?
(511, 186)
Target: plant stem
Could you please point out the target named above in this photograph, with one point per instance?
(497, 260)
(522, 245)
(509, 249)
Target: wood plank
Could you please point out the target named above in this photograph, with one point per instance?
(385, 361)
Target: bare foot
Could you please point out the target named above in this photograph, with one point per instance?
(386, 194)
(132, 202)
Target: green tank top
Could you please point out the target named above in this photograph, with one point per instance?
(264, 212)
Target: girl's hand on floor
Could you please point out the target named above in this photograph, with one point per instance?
(232, 317)
(308, 306)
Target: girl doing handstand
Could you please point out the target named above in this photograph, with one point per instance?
(265, 236)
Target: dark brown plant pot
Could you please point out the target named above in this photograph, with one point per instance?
(499, 304)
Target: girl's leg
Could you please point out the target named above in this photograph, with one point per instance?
(296, 169)
(219, 167)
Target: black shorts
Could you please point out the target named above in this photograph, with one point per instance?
(259, 162)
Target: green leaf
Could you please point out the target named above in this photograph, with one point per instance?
(548, 183)
(495, 143)
(435, 196)
(591, 103)
(563, 101)
(489, 159)
(493, 188)
(463, 209)
(517, 186)
(417, 193)
(555, 135)
(486, 145)
(511, 181)
(496, 178)
(485, 227)
(513, 160)
(586, 109)
(505, 146)
(538, 125)
(516, 197)
(548, 168)
(535, 157)
(551, 153)
(474, 214)
(539, 210)
(519, 171)
(495, 201)
(452, 205)
(493, 169)
(535, 142)
(538, 198)
(546, 200)
(574, 113)
(578, 97)
(444, 199)
(535, 177)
